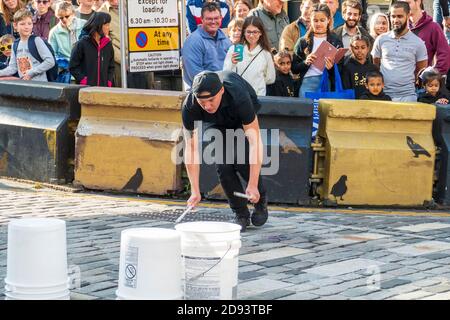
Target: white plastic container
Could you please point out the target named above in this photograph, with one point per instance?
(150, 265)
(36, 258)
(210, 254)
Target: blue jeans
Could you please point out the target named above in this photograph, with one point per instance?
(309, 84)
(437, 12)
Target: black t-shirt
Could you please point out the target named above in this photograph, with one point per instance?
(238, 107)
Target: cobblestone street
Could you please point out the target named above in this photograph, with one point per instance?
(301, 253)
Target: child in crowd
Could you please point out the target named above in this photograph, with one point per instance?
(356, 66)
(6, 42)
(305, 49)
(256, 66)
(22, 61)
(235, 30)
(92, 58)
(435, 91)
(285, 85)
(375, 86)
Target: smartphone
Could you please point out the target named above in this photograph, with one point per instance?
(239, 48)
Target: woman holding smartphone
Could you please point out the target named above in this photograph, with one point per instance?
(251, 58)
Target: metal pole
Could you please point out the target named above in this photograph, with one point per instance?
(182, 4)
(123, 41)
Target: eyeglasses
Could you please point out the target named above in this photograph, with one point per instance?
(4, 48)
(64, 17)
(42, 1)
(252, 32)
(212, 19)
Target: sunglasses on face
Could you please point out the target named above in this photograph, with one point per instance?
(64, 17)
(42, 1)
(4, 48)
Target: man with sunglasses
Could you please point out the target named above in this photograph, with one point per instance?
(44, 18)
(227, 104)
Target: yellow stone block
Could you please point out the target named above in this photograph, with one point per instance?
(125, 139)
(377, 152)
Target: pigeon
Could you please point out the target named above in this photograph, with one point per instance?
(135, 181)
(339, 188)
(416, 148)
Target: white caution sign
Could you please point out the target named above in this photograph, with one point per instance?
(153, 35)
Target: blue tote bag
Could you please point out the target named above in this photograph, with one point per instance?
(325, 93)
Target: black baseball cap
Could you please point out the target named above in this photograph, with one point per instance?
(206, 81)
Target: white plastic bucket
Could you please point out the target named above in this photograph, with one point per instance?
(150, 264)
(210, 252)
(37, 290)
(63, 295)
(37, 255)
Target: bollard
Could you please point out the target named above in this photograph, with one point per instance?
(125, 139)
(37, 126)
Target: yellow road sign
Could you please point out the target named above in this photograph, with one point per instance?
(153, 39)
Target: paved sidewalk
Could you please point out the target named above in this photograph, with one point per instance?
(301, 253)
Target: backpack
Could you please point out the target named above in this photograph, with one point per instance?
(52, 73)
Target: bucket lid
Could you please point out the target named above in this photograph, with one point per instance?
(41, 224)
(160, 234)
(208, 227)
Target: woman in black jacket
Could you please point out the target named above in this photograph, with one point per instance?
(305, 47)
(92, 57)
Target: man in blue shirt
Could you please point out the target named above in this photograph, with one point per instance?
(333, 5)
(206, 47)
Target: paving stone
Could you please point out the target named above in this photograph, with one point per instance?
(414, 277)
(256, 287)
(333, 297)
(278, 262)
(440, 296)
(379, 295)
(438, 288)
(422, 248)
(300, 296)
(358, 292)
(98, 286)
(273, 254)
(412, 295)
(271, 295)
(250, 275)
(80, 296)
(304, 277)
(393, 283)
(349, 266)
(424, 227)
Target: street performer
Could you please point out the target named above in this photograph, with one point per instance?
(226, 101)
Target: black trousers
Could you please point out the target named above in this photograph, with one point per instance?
(233, 174)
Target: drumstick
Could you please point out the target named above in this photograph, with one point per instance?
(241, 195)
(184, 213)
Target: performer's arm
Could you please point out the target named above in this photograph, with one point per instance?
(191, 159)
(256, 156)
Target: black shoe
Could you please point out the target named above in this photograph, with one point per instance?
(260, 213)
(243, 222)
